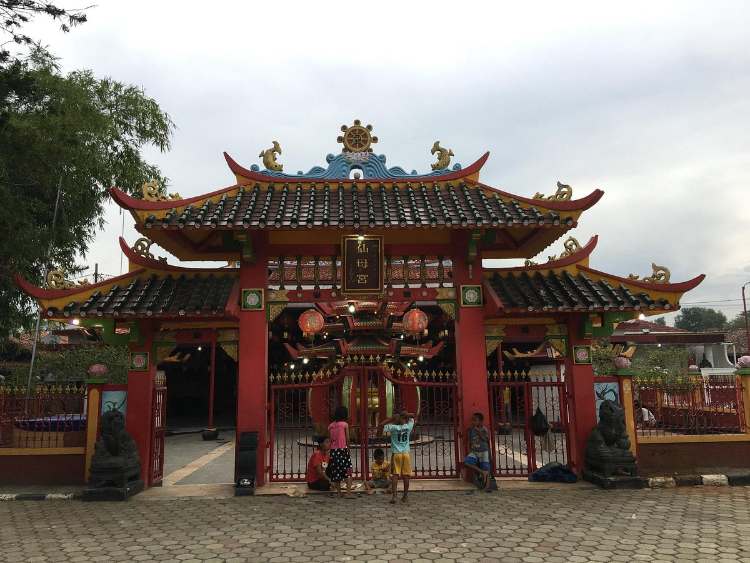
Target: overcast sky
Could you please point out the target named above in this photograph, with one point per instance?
(648, 101)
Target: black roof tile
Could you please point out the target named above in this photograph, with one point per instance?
(347, 204)
(158, 295)
(561, 290)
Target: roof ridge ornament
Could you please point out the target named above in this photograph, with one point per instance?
(660, 274)
(357, 138)
(443, 158)
(142, 247)
(269, 157)
(56, 280)
(564, 193)
(152, 191)
(571, 245)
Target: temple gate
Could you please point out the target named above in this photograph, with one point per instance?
(363, 285)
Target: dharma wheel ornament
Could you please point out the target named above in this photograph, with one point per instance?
(357, 138)
(311, 322)
(415, 322)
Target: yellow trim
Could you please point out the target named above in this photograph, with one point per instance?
(700, 438)
(745, 379)
(79, 450)
(627, 401)
(92, 425)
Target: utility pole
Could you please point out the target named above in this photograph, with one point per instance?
(747, 323)
(44, 277)
(96, 272)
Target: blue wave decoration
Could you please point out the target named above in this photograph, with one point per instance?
(340, 167)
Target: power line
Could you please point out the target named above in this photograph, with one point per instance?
(709, 302)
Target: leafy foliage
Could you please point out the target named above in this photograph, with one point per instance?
(71, 364)
(700, 319)
(737, 322)
(665, 362)
(75, 130)
(602, 357)
(15, 14)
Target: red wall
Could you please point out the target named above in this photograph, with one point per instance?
(42, 469)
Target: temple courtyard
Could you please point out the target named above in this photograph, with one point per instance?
(576, 524)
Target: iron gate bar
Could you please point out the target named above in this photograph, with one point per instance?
(516, 451)
(274, 389)
(292, 426)
(159, 414)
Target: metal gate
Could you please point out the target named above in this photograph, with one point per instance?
(302, 406)
(159, 419)
(514, 400)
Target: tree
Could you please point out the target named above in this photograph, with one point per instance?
(661, 321)
(14, 14)
(76, 131)
(700, 319)
(737, 322)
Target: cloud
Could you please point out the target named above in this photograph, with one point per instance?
(644, 100)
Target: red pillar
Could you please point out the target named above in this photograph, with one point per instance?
(252, 378)
(138, 417)
(579, 379)
(471, 356)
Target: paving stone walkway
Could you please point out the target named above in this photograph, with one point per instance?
(689, 524)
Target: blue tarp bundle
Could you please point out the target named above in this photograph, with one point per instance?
(554, 472)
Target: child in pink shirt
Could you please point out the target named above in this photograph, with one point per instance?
(340, 466)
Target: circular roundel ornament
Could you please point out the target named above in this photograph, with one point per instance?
(357, 138)
(311, 322)
(415, 321)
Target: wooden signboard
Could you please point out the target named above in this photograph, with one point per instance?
(362, 264)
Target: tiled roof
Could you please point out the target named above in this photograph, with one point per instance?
(353, 204)
(561, 290)
(159, 296)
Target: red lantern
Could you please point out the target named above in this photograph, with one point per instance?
(415, 322)
(311, 322)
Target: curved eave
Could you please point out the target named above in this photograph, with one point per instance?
(43, 294)
(581, 204)
(136, 204)
(575, 258)
(680, 287)
(163, 266)
(242, 172)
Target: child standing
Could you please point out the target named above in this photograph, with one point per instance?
(478, 458)
(400, 456)
(381, 473)
(340, 467)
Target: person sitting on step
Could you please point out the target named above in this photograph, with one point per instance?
(317, 480)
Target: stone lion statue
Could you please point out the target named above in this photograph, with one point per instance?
(115, 461)
(608, 447)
